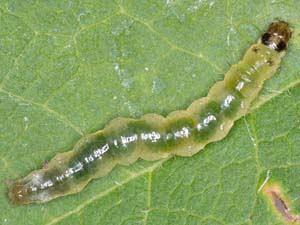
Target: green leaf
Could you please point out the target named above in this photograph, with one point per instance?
(68, 67)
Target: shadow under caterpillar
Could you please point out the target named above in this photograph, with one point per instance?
(152, 137)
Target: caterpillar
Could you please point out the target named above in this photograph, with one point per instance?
(152, 137)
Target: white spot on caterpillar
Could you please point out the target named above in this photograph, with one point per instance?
(116, 142)
(68, 173)
(60, 178)
(89, 159)
(169, 136)
(129, 139)
(100, 151)
(33, 188)
(205, 122)
(59, 160)
(183, 133)
(240, 85)
(246, 79)
(78, 167)
(153, 136)
(46, 184)
(199, 126)
(222, 126)
(227, 101)
(208, 119)
(259, 63)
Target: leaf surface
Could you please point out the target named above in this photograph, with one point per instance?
(68, 67)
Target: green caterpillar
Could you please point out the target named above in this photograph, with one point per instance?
(152, 137)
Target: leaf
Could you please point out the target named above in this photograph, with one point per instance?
(68, 67)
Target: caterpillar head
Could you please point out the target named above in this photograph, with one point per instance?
(277, 36)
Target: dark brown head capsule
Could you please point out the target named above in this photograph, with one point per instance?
(277, 36)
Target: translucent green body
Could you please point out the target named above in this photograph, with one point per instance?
(153, 137)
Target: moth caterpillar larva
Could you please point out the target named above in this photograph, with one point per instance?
(152, 137)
